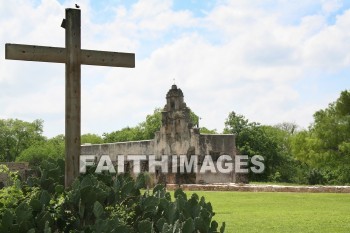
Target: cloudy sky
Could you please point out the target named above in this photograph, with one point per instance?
(269, 60)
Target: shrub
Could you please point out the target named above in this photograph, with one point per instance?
(103, 203)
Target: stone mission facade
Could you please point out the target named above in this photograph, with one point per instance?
(177, 136)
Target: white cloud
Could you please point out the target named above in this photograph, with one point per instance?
(240, 56)
(329, 48)
(330, 6)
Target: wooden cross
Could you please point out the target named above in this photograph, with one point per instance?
(73, 56)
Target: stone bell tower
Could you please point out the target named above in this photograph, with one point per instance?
(175, 136)
(176, 121)
(175, 133)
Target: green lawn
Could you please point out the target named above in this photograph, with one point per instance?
(280, 212)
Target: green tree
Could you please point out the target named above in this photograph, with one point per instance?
(235, 124)
(325, 146)
(91, 138)
(17, 135)
(194, 118)
(125, 134)
(268, 141)
(290, 128)
(152, 124)
(43, 150)
(286, 167)
(204, 130)
(144, 130)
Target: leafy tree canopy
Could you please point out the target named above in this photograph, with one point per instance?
(91, 138)
(326, 145)
(17, 135)
(271, 142)
(42, 150)
(146, 129)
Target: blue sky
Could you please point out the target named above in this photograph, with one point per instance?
(272, 61)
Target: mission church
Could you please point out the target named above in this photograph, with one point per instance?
(177, 136)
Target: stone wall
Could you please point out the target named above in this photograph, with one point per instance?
(260, 188)
(216, 145)
(197, 144)
(22, 168)
(145, 147)
(177, 136)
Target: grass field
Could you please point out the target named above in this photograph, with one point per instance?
(280, 212)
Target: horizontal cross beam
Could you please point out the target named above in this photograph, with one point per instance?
(58, 55)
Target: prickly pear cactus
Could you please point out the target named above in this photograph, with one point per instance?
(102, 203)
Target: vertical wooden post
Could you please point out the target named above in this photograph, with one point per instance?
(73, 57)
(73, 95)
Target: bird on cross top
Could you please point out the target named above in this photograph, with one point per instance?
(77, 6)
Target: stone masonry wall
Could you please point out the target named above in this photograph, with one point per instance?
(22, 168)
(175, 137)
(216, 145)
